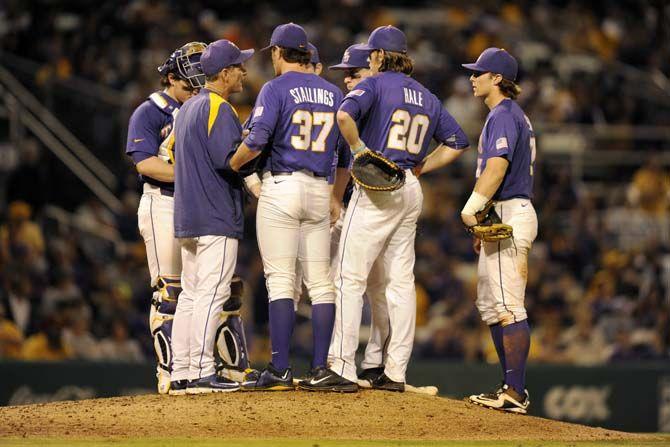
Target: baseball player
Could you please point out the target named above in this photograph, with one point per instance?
(356, 66)
(208, 217)
(296, 112)
(398, 117)
(253, 181)
(150, 144)
(317, 68)
(506, 154)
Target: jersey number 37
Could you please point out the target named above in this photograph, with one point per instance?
(306, 120)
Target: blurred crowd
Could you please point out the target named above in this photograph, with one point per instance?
(76, 286)
(576, 58)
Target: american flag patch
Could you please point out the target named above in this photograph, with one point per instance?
(356, 92)
(258, 112)
(501, 143)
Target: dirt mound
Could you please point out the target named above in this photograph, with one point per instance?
(365, 415)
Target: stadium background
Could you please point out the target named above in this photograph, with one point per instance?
(74, 281)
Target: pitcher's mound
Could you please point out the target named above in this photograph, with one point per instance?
(263, 415)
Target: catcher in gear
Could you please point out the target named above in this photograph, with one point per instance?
(501, 216)
(150, 145)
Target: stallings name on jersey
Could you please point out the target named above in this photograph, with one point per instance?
(312, 94)
(413, 97)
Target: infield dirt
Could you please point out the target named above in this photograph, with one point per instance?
(296, 415)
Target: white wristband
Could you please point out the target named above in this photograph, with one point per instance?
(475, 203)
(356, 148)
(251, 180)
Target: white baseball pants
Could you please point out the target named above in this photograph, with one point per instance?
(376, 293)
(155, 217)
(503, 266)
(378, 224)
(208, 267)
(293, 225)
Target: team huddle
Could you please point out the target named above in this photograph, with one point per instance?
(317, 226)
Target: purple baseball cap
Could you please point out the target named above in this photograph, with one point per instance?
(387, 38)
(314, 59)
(496, 60)
(354, 57)
(289, 35)
(221, 54)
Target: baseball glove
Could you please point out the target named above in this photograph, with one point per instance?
(489, 227)
(377, 173)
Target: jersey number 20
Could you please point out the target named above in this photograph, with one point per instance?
(407, 132)
(306, 119)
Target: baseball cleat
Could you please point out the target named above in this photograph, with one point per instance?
(503, 399)
(369, 375)
(326, 380)
(311, 373)
(237, 375)
(178, 387)
(211, 384)
(269, 380)
(384, 383)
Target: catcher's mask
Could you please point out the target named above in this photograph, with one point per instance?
(184, 62)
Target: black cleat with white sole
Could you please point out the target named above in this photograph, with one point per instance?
(369, 375)
(384, 383)
(327, 380)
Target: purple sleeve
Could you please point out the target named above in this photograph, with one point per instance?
(247, 122)
(143, 131)
(449, 133)
(503, 134)
(264, 118)
(343, 154)
(139, 156)
(358, 102)
(341, 159)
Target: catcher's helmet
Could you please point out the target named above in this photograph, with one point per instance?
(184, 63)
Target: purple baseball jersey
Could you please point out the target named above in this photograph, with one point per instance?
(508, 133)
(295, 113)
(208, 195)
(398, 117)
(149, 125)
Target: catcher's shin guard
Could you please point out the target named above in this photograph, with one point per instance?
(231, 345)
(163, 307)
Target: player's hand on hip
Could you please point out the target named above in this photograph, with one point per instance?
(476, 244)
(468, 220)
(335, 210)
(245, 132)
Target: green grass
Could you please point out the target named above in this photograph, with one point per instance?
(307, 443)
